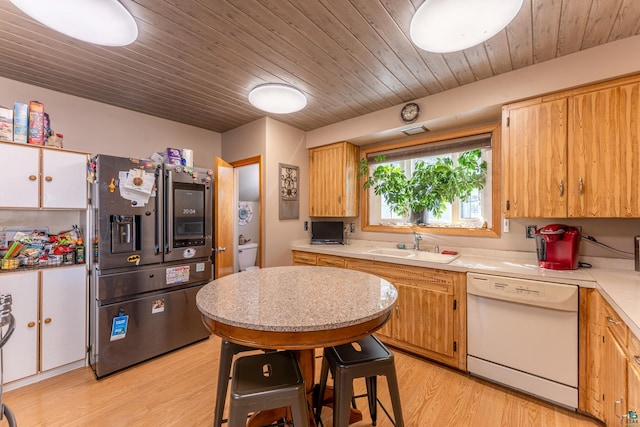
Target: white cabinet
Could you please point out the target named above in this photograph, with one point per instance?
(36, 177)
(62, 323)
(20, 353)
(58, 335)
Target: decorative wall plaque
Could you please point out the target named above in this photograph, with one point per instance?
(288, 191)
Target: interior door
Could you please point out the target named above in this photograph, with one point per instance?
(224, 219)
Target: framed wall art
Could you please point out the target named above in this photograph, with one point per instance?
(289, 205)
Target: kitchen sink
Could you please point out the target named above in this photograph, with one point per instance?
(417, 255)
(398, 253)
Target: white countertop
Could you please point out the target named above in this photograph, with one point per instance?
(616, 279)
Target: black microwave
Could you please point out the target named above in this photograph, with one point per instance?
(327, 233)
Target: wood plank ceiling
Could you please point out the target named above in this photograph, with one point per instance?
(195, 60)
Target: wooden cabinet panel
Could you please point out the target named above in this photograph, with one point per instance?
(333, 180)
(574, 153)
(535, 159)
(304, 258)
(604, 153)
(330, 261)
(615, 386)
(429, 318)
(633, 386)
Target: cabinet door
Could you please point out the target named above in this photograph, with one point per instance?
(333, 180)
(19, 354)
(425, 318)
(19, 176)
(615, 383)
(304, 258)
(604, 158)
(535, 159)
(64, 180)
(63, 316)
(633, 386)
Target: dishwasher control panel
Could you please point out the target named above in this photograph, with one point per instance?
(553, 295)
(531, 289)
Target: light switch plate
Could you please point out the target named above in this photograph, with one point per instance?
(505, 225)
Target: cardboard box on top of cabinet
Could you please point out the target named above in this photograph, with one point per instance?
(36, 123)
(20, 122)
(6, 124)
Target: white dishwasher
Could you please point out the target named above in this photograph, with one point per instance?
(524, 334)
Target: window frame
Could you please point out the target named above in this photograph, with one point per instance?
(493, 231)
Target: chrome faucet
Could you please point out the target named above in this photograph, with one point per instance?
(416, 241)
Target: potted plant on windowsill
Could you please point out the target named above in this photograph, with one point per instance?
(430, 187)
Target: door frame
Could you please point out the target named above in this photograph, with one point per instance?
(247, 162)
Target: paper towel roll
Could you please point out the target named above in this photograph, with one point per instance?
(187, 157)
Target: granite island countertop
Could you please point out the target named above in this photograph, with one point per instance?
(615, 278)
(324, 298)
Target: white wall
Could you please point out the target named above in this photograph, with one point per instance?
(98, 128)
(285, 144)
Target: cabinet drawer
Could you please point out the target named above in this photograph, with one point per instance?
(330, 261)
(616, 325)
(304, 258)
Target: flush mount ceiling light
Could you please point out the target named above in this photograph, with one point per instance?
(451, 25)
(102, 22)
(277, 98)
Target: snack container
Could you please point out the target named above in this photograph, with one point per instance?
(174, 156)
(9, 264)
(6, 124)
(20, 122)
(36, 123)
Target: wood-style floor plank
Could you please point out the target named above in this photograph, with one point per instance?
(178, 389)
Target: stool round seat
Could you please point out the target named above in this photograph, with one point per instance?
(267, 381)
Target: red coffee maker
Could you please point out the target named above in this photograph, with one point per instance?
(557, 246)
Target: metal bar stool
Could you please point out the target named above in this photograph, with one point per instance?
(267, 381)
(227, 351)
(366, 358)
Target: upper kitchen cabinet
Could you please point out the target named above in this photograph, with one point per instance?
(574, 153)
(38, 177)
(333, 180)
(535, 158)
(605, 148)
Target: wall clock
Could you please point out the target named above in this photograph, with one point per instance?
(409, 112)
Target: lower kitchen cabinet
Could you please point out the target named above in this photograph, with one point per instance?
(430, 315)
(49, 307)
(429, 318)
(611, 386)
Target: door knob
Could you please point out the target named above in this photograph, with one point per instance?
(47, 320)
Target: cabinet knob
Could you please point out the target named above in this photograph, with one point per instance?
(47, 320)
(32, 177)
(31, 324)
(48, 178)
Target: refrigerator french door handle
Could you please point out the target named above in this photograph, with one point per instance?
(158, 229)
(168, 224)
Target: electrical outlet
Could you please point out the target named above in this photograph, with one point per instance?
(531, 231)
(352, 227)
(306, 226)
(505, 225)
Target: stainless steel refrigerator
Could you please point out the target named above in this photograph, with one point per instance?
(151, 231)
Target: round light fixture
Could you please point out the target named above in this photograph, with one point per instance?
(101, 22)
(451, 25)
(277, 98)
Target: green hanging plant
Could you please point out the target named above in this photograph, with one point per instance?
(430, 187)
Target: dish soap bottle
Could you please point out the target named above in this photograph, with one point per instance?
(80, 253)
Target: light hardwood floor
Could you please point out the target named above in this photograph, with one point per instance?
(178, 389)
